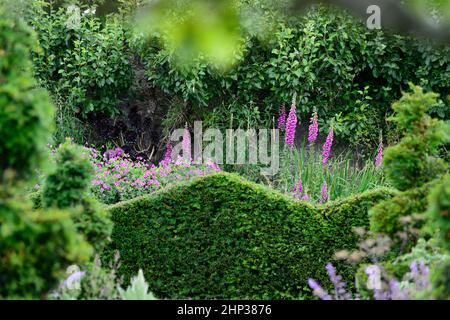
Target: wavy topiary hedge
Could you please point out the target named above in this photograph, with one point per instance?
(220, 236)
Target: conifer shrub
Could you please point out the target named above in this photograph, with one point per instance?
(68, 187)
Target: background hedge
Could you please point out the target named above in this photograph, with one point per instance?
(220, 236)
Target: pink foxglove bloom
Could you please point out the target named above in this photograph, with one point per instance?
(326, 149)
(213, 165)
(186, 145)
(313, 129)
(298, 188)
(306, 197)
(379, 156)
(324, 193)
(167, 156)
(291, 125)
(282, 119)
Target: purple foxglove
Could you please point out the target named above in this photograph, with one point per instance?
(313, 129)
(291, 125)
(324, 193)
(379, 156)
(326, 149)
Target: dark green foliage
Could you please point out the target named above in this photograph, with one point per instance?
(439, 211)
(413, 162)
(385, 216)
(86, 63)
(68, 188)
(440, 279)
(220, 236)
(35, 247)
(70, 181)
(25, 111)
(331, 60)
(91, 219)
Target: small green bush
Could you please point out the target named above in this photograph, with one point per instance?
(35, 248)
(220, 236)
(70, 181)
(413, 161)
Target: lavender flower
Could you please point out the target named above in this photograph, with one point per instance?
(327, 146)
(339, 285)
(324, 193)
(282, 119)
(186, 145)
(72, 280)
(379, 156)
(291, 125)
(318, 290)
(313, 129)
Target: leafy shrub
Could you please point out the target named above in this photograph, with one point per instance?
(25, 111)
(334, 63)
(83, 60)
(242, 240)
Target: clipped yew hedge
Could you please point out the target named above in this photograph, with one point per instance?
(221, 236)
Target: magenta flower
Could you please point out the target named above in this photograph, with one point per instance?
(379, 156)
(324, 193)
(213, 165)
(327, 146)
(282, 119)
(291, 125)
(313, 128)
(306, 197)
(167, 155)
(298, 188)
(186, 144)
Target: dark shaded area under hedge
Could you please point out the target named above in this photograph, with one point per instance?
(220, 236)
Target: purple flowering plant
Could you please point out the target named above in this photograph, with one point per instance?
(119, 178)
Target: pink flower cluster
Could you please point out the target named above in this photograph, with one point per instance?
(313, 129)
(326, 149)
(379, 156)
(291, 126)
